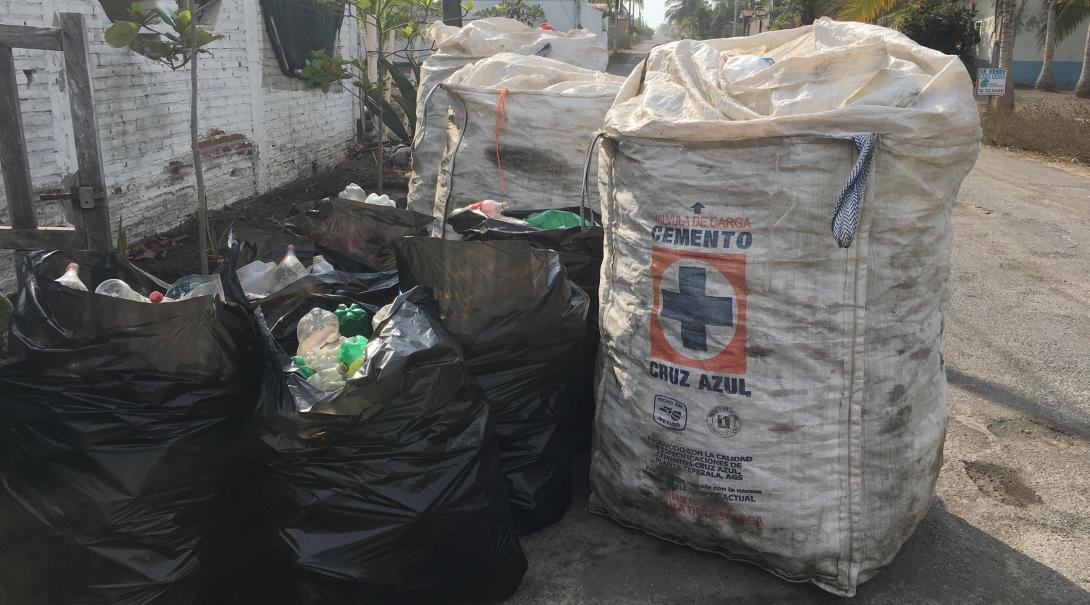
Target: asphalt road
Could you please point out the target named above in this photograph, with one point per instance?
(1011, 520)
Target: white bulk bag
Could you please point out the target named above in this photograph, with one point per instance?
(457, 47)
(777, 256)
(520, 131)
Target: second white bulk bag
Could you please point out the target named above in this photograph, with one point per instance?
(520, 131)
(457, 47)
(777, 257)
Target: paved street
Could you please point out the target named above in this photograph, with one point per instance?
(622, 62)
(1011, 523)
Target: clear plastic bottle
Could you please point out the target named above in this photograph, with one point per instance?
(194, 286)
(119, 289)
(257, 278)
(320, 265)
(320, 339)
(288, 270)
(71, 278)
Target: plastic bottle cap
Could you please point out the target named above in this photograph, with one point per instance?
(156, 297)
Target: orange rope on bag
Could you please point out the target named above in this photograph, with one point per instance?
(501, 116)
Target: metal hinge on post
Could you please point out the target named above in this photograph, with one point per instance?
(88, 197)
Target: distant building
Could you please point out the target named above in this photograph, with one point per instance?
(1066, 63)
(755, 22)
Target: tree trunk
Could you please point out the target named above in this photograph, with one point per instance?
(1007, 31)
(1046, 81)
(1082, 89)
(381, 98)
(194, 133)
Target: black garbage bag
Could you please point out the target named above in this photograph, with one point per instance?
(388, 490)
(118, 420)
(284, 307)
(580, 251)
(355, 232)
(520, 322)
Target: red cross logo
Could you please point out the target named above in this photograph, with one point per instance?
(699, 315)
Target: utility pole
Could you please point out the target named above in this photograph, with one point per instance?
(734, 25)
(452, 12)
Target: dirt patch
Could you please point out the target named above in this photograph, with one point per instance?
(175, 253)
(1046, 123)
(1024, 429)
(1001, 483)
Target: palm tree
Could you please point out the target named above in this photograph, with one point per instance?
(1070, 16)
(1082, 87)
(1007, 24)
(722, 18)
(1045, 80)
(858, 10)
(687, 16)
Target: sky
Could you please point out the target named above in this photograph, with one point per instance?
(654, 12)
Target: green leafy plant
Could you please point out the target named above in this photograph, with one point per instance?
(401, 18)
(217, 240)
(175, 40)
(941, 25)
(530, 14)
(171, 47)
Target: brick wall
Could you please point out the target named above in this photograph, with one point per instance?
(259, 128)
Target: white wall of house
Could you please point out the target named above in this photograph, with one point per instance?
(259, 128)
(1027, 54)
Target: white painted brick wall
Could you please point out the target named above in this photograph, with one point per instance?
(261, 129)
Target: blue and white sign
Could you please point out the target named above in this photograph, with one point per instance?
(991, 81)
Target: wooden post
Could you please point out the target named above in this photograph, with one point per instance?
(13, 157)
(96, 220)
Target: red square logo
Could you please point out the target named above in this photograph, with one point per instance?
(699, 316)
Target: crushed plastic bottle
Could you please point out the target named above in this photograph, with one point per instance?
(194, 286)
(353, 192)
(329, 379)
(319, 339)
(71, 278)
(380, 316)
(288, 270)
(354, 320)
(489, 208)
(320, 265)
(302, 366)
(257, 278)
(119, 289)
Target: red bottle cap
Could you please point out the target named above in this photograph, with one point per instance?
(156, 297)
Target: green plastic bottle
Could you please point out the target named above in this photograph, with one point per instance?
(351, 350)
(354, 320)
